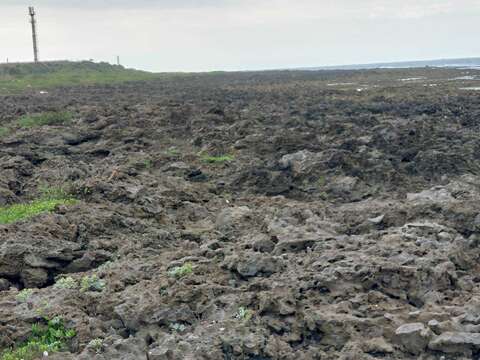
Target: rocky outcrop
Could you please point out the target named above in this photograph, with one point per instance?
(344, 225)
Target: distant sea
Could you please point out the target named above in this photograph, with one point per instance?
(470, 63)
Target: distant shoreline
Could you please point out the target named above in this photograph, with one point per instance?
(471, 63)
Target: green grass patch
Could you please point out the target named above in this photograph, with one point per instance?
(217, 159)
(4, 131)
(51, 198)
(14, 213)
(49, 337)
(48, 118)
(148, 164)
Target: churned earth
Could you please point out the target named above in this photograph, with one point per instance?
(261, 216)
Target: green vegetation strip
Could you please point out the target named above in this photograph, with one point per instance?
(48, 338)
(37, 120)
(48, 118)
(20, 77)
(14, 213)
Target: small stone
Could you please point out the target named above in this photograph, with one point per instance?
(377, 345)
(377, 220)
(229, 218)
(434, 325)
(445, 237)
(413, 337)
(263, 244)
(160, 353)
(254, 264)
(389, 316)
(414, 314)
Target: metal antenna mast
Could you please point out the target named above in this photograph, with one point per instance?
(31, 10)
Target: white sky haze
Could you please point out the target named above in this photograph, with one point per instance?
(188, 35)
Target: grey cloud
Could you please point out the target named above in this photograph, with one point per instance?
(242, 34)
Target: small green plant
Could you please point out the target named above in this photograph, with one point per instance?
(105, 266)
(66, 283)
(48, 118)
(323, 195)
(322, 181)
(243, 314)
(85, 190)
(44, 338)
(148, 164)
(24, 295)
(172, 151)
(217, 159)
(92, 283)
(4, 131)
(181, 271)
(177, 327)
(163, 291)
(96, 345)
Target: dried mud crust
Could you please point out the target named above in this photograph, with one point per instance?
(343, 224)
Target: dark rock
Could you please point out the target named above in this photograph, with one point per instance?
(456, 342)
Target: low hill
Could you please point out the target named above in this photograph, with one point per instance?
(21, 76)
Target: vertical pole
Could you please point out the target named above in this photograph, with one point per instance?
(31, 10)
(118, 60)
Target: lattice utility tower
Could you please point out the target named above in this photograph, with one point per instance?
(33, 21)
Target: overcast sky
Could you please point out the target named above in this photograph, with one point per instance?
(189, 35)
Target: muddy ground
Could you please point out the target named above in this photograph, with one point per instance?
(345, 225)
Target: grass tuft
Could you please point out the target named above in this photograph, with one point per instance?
(243, 314)
(92, 283)
(24, 295)
(66, 283)
(181, 271)
(96, 345)
(48, 118)
(217, 159)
